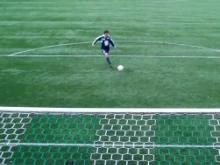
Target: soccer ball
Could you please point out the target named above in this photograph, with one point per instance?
(120, 68)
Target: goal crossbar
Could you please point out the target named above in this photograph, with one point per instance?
(109, 110)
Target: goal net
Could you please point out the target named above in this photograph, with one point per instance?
(100, 137)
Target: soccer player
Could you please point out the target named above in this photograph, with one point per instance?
(105, 40)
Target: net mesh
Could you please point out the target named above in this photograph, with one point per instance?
(109, 139)
(124, 139)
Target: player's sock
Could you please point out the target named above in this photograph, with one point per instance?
(108, 60)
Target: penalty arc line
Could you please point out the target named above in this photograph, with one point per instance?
(45, 47)
(179, 44)
(78, 43)
(133, 145)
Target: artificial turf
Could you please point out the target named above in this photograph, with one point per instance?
(146, 28)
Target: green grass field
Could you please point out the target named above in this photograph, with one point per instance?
(171, 53)
(148, 31)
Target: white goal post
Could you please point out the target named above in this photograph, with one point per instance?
(109, 110)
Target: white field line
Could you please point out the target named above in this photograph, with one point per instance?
(112, 145)
(108, 110)
(177, 44)
(96, 56)
(78, 43)
(46, 47)
(115, 22)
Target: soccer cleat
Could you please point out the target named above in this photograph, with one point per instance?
(110, 66)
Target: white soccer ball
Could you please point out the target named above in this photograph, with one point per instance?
(120, 68)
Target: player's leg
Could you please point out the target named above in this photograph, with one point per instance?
(106, 54)
(107, 58)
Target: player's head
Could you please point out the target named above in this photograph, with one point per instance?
(69, 162)
(106, 32)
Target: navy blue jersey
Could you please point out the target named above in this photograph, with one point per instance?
(105, 42)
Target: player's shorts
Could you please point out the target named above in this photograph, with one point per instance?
(105, 50)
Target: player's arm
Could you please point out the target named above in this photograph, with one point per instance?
(112, 42)
(96, 40)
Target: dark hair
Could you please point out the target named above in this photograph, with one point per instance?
(106, 31)
(69, 162)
